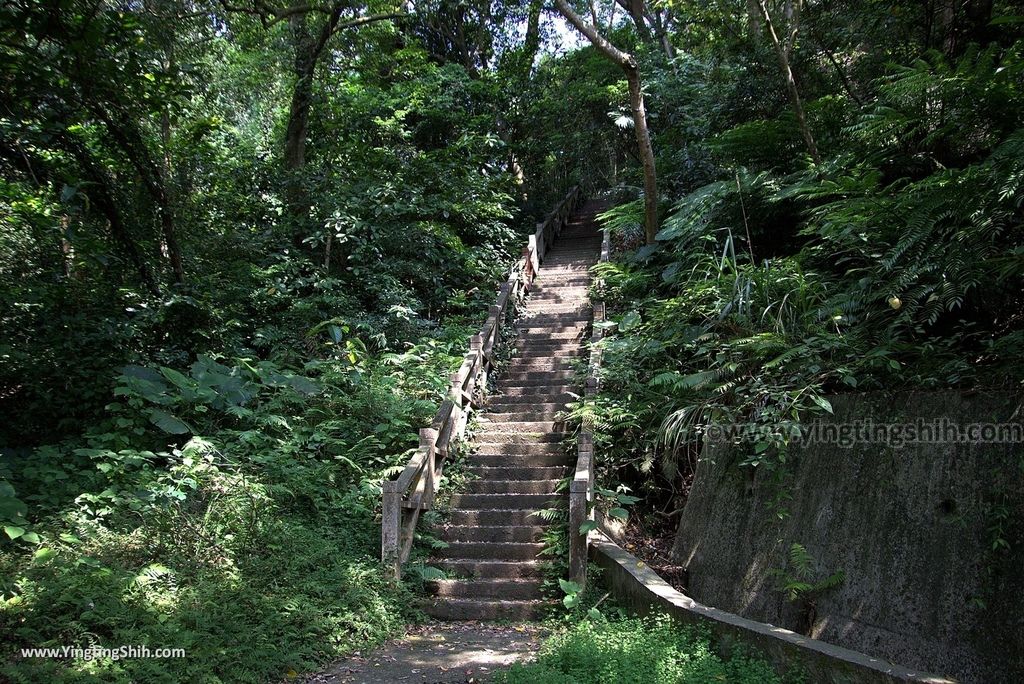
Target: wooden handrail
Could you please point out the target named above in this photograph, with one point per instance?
(413, 491)
(581, 489)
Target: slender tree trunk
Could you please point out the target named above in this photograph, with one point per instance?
(531, 42)
(130, 141)
(103, 199)
(635, 8)
(628, 65)
(302, 94)
(782, 52)
(307, 50)
(169, 238)
(643, 140)
(754, 20)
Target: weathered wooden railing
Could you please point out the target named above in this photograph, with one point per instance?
(413, 492)
(581, 489)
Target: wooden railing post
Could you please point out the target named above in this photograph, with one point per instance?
(579, 504)
(581, 489)
(476, 347)
(428, 440)
(495, 315)
(390, 524)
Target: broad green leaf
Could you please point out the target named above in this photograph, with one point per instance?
(629, 321)
(168, 423)
(176, 378)
(823, 403)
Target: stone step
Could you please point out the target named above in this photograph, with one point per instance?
(536, 377)
(444, 608)
(499, 410)
(538, 405)
(581, 312)
(572, 335)
(523, 460)
(562, 293)
(520, 414)
(528, 427)
(520, 369)
(557, 299)
(503, 399)
(518, 472)
(491, 533)
(558, 333)
(490, 501)
(508, 551)
(578, 284)
(516, 516)
(536, 390)
(511, 487)
(552, 362)
(534, 307)
(552, 319)
(495, 441)
(569, 351)
(516, 589)
(565, 275)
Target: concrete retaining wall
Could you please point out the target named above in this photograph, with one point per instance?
(911, 528)
(642, 590)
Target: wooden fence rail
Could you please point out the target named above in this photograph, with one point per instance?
(405, 498)
(581, 489)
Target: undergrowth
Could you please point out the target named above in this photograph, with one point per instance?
(654, 651)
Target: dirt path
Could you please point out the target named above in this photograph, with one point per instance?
(438, 653)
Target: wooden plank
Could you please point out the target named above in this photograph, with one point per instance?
(413, 468)
(391, 520)
(503, 295)
(443, 415)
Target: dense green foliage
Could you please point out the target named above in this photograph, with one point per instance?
(213, 349)
(775, 281)
(243, 244)
(634, 651)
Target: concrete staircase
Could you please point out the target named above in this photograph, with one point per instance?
(492, 533)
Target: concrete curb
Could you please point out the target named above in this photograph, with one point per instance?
(641, 589)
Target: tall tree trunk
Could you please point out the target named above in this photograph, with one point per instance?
(131, 143)
(643, 141)
(103, 199)
(635, 8)
(307, 50)
(297, 130)
(628, 65)
(782, 52)
(531, 43)
(754, 20)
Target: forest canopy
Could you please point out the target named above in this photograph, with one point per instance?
(243, 243)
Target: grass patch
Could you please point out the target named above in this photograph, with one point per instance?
(652, 651)
(311, 593)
